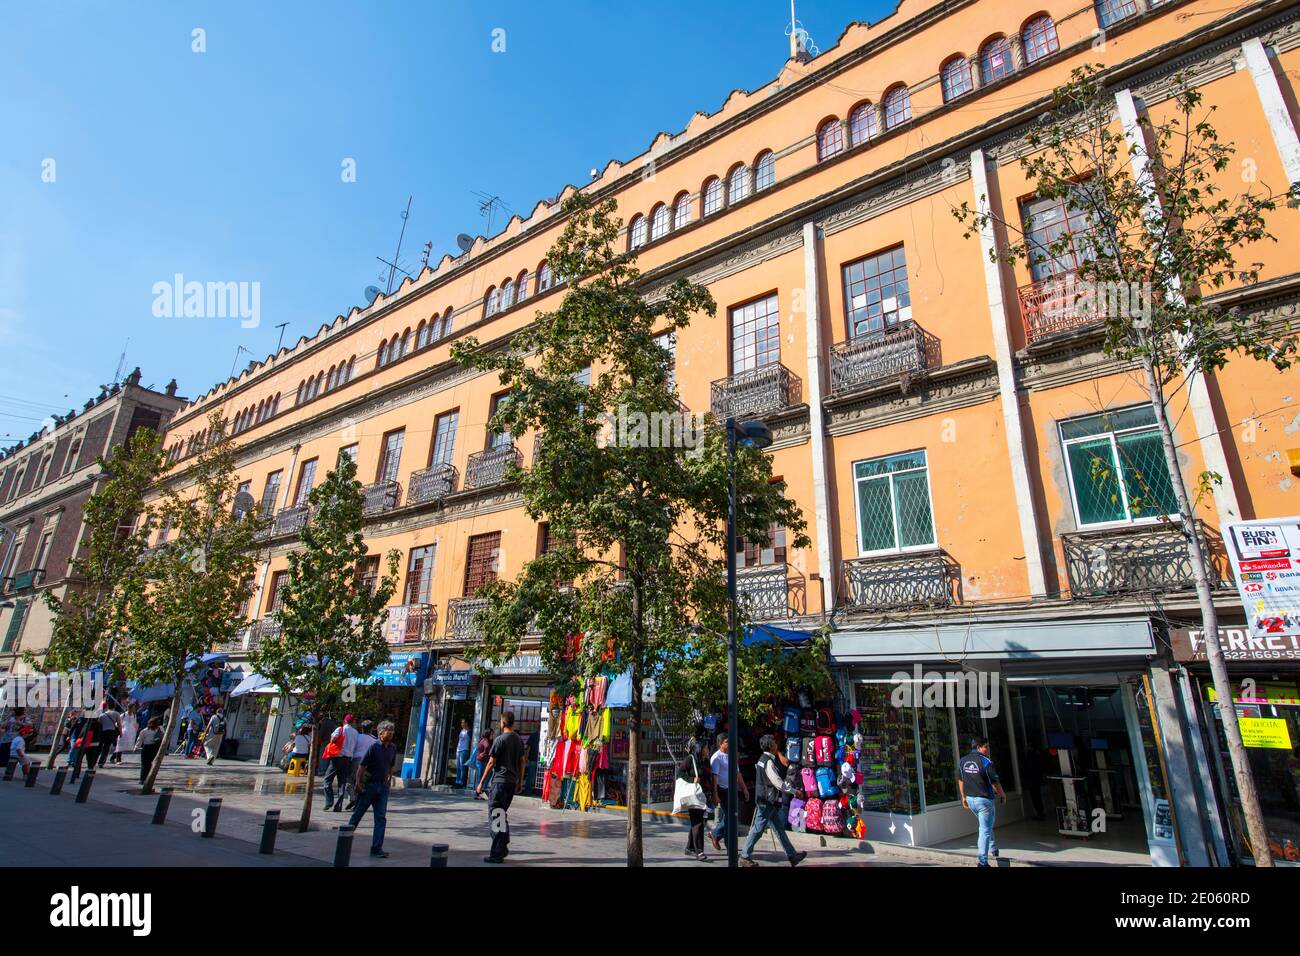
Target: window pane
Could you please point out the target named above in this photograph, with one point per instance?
(876, 515)
(937, 757)
(755, 335)
(876, 292)
(1098, 496)
(1146, 476)
(912, 499)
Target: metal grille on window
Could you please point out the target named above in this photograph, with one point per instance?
(1117, 467)
(894, 502)
(755, 335)
(876, 292)
(481, 561)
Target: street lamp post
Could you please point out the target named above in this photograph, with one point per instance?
(758, 435)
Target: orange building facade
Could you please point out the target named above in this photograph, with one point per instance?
(931, 417)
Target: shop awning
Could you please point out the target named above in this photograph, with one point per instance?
(757, 634)
(145, 695)
(996, 640)
(254, 684)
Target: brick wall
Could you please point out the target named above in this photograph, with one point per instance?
(66, 536)
(92, 446)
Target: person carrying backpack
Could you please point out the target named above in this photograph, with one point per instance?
(770, 789)
(978, 781)
(214, 735)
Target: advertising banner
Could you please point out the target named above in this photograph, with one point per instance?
(1265, 558)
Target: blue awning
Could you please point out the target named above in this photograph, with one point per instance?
(145, 695)
(757, 634)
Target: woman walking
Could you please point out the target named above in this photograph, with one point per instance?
(689, 770)
(130, 730)
(148, 742)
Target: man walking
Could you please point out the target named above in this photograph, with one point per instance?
(110, 728)
(214, 734)
(978, 782)
(505, 766)
(769, 811)
(462, 754)
(374, 779)
(365, 740)
(721, 783)
(341, 749)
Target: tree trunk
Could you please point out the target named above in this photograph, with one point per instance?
(58, 735)
(1255, 828)
(305, 822)
(146, 788)
(635, 856)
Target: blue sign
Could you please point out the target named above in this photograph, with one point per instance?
(443, 677)
(402, 670)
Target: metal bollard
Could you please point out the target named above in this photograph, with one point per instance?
(343, 849)
(60, 775)
(84, 790)
(10, 767)
(32, 771)
(210, 819)
(269, 829)
(164, 801)
(438, 856)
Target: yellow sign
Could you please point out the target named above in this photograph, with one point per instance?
(1268, 732)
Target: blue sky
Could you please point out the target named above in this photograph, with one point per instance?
(226, 165)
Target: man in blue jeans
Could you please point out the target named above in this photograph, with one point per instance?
(769, 804)
(719, 764)
(462, 754)
(978, 782)
(374, 777)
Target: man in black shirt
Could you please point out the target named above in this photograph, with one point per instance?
(374, 776)
(978, 781)
(508, 758)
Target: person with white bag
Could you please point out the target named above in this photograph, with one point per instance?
(688, 795)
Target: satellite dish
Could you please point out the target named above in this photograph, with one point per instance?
(372, 293)
(244, 502)
(465, 241)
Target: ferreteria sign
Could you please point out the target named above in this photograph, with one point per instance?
(1238, 644)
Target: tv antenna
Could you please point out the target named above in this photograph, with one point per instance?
(393, 267)
(488, 206)
(282, 326)
(238, 352)
(428, 250)
(121, 363)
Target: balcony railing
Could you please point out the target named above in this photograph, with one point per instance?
(432, 484)
(462, 619)
(764, 592)
(291, 520)
(488, 467)
(380, 497)
(1054, 305)
(881, 356)
(929, 579)
(412, 623)
(268, 628)
(25, 581)
(755, 392)
(1137, 560)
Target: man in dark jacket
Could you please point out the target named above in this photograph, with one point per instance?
(770, 789)
(978, 781)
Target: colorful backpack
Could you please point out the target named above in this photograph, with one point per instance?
(809, 778)
(809, 751)
(791, 724)
(796, 815)
(793, 749)
(825, 721)
(832, 817)
(807, 722)
(812, 816)
(826, 783)
(823, 751)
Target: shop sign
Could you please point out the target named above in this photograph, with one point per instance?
(1237, 643)
(1265, 558)
(402, 670)
(445, 678)
(1266, 732)
(1251, 691)
(521, 664)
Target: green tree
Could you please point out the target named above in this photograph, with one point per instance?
(196, 580)
(89, 621)
(331, 620)
(637, 525)
(1154, 234)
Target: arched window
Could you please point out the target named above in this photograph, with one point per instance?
(712, 193)
(382, 354)
(660, 220)
(490, 302)
(320, 380)
(421, 335)
(995, 60)
(521, 286)
(636, 232)
(764, 171)
(1039, 36)
(1112, 11)
(897, 104)
(406, 341)
(346, 378)
(682, 211)
(275, 403)
(862, 124)
(330, 379)
(830, 139)
(955, 78)
(737, 184)
(543, 283)
(507, 293)
(302, 391)
(446, 323)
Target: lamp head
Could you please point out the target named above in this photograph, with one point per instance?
(754, 433)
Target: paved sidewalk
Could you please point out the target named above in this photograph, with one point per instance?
(52, 830)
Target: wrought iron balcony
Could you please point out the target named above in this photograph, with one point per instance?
(755, 392)
(1137, 559)
(25, 581)
(764, 592)
(488, 467)
(462, 619)
(928, 579)
(380, 497)
(432, 484)
(412, 623)
(1051, 306)
(268, 628)
(880, 356)
(291, 520)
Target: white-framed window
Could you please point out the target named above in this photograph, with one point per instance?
(637, 232)
(659, 221)
(682, 211)
(893, 503)
(765, 171)
(1117, 469)
(737, 185)
(668, 342)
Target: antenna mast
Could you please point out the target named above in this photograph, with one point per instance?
(406, 213)
(121, 364)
